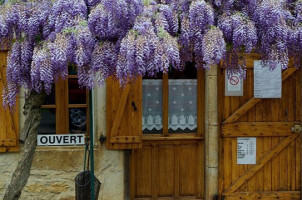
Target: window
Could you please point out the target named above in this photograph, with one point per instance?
(66, 109)
(171, 102)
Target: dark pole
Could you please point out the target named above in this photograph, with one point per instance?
(91, 146)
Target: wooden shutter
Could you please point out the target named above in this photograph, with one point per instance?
(9, 121)
(124, 115)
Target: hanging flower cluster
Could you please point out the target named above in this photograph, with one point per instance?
(111, 19)
(130, 38)
(148, 47)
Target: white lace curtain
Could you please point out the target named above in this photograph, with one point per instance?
(182, 104)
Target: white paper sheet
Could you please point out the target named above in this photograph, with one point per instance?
(267, 83)
(246, 150)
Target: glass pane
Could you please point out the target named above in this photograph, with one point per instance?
(76, 94)
(72, 70)
(152, 106)
(50, 99)
(77, 120)
(183, 106)
(48, 121)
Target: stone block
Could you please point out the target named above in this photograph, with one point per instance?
(211, 183)
(212, 147)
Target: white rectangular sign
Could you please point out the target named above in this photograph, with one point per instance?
(233, 85)
(246, 150)
(267, 83)
(61, 140)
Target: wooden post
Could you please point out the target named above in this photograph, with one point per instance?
(301, 138)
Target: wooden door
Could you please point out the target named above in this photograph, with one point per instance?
(170, 165)
(276, 174)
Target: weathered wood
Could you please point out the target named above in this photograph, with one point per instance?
(276, 150)
(300, 150)
(7, 128)
(124, 114)
(120, 110)
(258, 129)
(125, 139)
(253, 101)
(200, 102)
(284, 195)
(21, 174)
(8, 142)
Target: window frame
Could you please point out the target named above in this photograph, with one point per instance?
(62, 106)
(165, 112)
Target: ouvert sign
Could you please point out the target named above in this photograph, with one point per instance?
(61, 140)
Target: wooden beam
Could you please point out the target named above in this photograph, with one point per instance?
(246, 176)
(8, 142)
(264, 195)
(165, 110)
(120, 111)
(125, 139)
(253, 101)
(258, 129)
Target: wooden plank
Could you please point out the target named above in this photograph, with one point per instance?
(171, 137)
(154, 172)
(201, 171)
(120, 111)
(177, 171)
(200, 102)
(8, 142)
(62, 111)
(298, 163)
(227, 164)
(165, 95)
(258, 129)
(170, 198)
(275, 151)
(125, 139)
(253, 101)
(242, 110)
(263, 195)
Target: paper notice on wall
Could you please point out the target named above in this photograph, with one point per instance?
(246, 150)
(233, 85)
(267, 83)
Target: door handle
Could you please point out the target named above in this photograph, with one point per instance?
(297, 128)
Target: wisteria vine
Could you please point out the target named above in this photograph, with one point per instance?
(131, 38)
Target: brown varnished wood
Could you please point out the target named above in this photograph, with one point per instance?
(124, 114)
(258, 129)
(165, 91)
(281, 172)
(9, 119)
(175, 162)
(253, 101)
(277, 149)
(286, 195)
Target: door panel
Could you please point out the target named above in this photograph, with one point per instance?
(277, 170)
(168, 169)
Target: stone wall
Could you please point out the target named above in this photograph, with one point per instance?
(55, 168)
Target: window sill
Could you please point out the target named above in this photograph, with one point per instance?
(172, 137)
